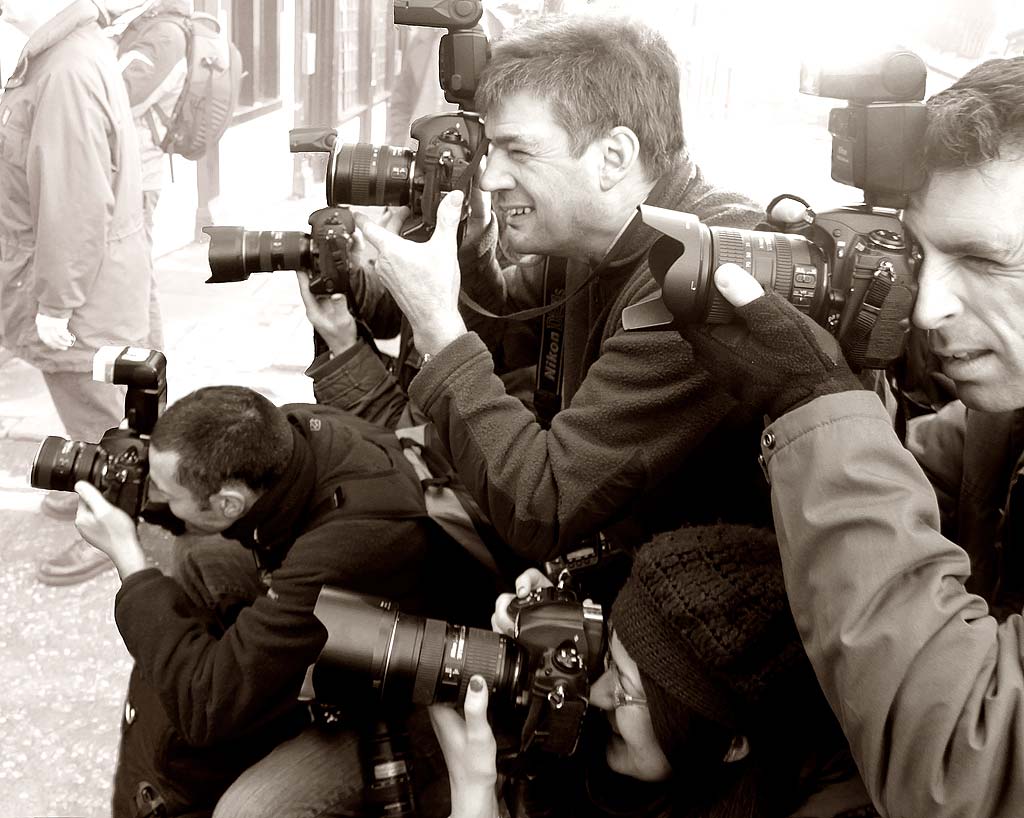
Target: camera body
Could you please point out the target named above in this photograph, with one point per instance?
(324, 253)
(450, 146)
(117, 465)
(539, 681)
(564, 641)
(852, 269)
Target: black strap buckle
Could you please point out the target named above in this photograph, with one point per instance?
(148, 802)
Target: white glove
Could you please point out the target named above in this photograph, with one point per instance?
(54, 332)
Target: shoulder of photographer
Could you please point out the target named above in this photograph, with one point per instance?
(849, 557)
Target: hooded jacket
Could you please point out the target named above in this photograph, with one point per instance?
(217, 686)
(72, 243)
(214, 691)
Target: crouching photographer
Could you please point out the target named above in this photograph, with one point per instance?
(927, 685)
(707, 705)
(216, 720)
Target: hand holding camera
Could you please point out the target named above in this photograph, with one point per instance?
(423, 278)
(778, 358)
(470, 753)
(528, 583)
(106, 527)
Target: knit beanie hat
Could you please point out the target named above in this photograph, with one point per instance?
(704, 615)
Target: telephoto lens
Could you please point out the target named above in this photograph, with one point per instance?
(407, 659)
(236, 253)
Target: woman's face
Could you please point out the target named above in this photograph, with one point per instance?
(633, 749)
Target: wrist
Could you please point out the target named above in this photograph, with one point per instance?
(339, 346)
(130, 564)
(443, 331)
(474, 801)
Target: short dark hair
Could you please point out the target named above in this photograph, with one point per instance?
(597, 73)
(978, 118)
(225, 434)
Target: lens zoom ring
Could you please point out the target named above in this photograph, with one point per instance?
(731, 247)
(783, 284)
(363, 156)
(431, 659)
(482, 649)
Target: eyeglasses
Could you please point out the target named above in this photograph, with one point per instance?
(620, 698)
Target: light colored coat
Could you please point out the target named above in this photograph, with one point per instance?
(72, 243)
(928, 687)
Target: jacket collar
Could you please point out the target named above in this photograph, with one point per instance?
(670, 189)
(283, 512)
(76, 16)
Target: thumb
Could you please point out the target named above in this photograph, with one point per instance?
(449, 213)
(376, 236)
(736, 285)
(475, 708)
(90, 495)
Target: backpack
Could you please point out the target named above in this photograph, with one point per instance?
(210, 94)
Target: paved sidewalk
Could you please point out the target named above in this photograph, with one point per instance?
(64, 668)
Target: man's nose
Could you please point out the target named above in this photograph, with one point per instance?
(937, 298)
(495, 175)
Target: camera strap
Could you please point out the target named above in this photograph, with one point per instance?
(859, 336)
(547, 393)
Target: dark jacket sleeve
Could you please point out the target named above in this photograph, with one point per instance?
(359, 382)
(928, 687)
(223, 686)
(642, 408)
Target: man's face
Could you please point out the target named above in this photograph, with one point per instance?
(548, 199)
(199, 517)
(970, 224)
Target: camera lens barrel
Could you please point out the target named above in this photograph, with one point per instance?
(236, 253)
(364, 174)
(407, 659)
(789, 265)
(60, 463)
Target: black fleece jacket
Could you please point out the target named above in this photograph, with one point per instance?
(218, 686)
(646, 440)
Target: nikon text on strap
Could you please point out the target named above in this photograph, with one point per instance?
(547, 395)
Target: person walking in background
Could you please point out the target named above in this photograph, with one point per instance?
(74, 268)
(151, 52)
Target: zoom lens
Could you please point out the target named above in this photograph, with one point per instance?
(60, 463)
(406, 658)
(684, 264)
(236, 253)
(365, 174)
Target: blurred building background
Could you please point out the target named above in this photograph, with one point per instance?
(336, 63)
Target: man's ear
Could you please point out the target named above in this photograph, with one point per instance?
(620, 153)
(231, 501)
(738, 750)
